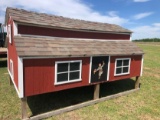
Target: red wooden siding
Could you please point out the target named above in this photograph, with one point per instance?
(34, 30)
(39, 76)
(135, 67)
(12, 54)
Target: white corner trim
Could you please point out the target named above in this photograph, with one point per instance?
(20, 77)
(7, 60)
(55, 74)
(108, 68)
(142, 65)
(9, 33)
(14, 83)
(15, 28)
(11, 68)
(131, 37)
(90, 69)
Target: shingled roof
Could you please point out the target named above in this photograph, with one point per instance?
(71, 47)
(41, 19)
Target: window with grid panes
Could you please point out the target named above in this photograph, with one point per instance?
(122, 66)
(68, 71)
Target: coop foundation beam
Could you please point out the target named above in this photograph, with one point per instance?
(24, 108)
(96, 91)
(70, 108)
(137, 82)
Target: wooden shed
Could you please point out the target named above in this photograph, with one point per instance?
(48, 53)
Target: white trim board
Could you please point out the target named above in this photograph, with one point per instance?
(11, 69)
(9, 33)
(130, 37)
(90, 69)
(108, 68)
(20, 90)
(15, 28)
(20, 77)
(142, 60)
(7, 59)
(14, 84)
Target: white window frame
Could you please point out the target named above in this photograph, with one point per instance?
(122, 66)
(9, 33)
(69, 81)
(11, 69)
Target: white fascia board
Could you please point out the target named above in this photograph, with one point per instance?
(20, 77)
(142, 60)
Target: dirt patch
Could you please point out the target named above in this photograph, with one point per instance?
(147, 68)
(147, 117)
(156, 75)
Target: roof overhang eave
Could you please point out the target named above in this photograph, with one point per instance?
(67, 56)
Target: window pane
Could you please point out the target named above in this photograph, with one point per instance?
(62, 77)
(74, 66)
(119, 63)
(62, 67)
(118, 70)
(125, 69)
(125, 62)
(74, 75)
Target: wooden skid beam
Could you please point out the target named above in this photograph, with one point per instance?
(96, 91)
(70, 108)
(24, 108)
(137, 82)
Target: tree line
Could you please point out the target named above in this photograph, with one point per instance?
(147, 40)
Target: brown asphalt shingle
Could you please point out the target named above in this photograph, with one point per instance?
(28, 46)
(42, 19)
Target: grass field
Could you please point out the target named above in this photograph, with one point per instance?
(141, 105)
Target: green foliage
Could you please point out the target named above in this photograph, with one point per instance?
(147, 40)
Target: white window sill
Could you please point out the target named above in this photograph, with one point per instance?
(65, 82)
(121, 74)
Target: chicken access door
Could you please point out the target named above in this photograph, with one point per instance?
(99, 68)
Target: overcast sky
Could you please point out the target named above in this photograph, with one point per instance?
(140, 16)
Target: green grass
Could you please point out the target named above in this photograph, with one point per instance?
(141, 105)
